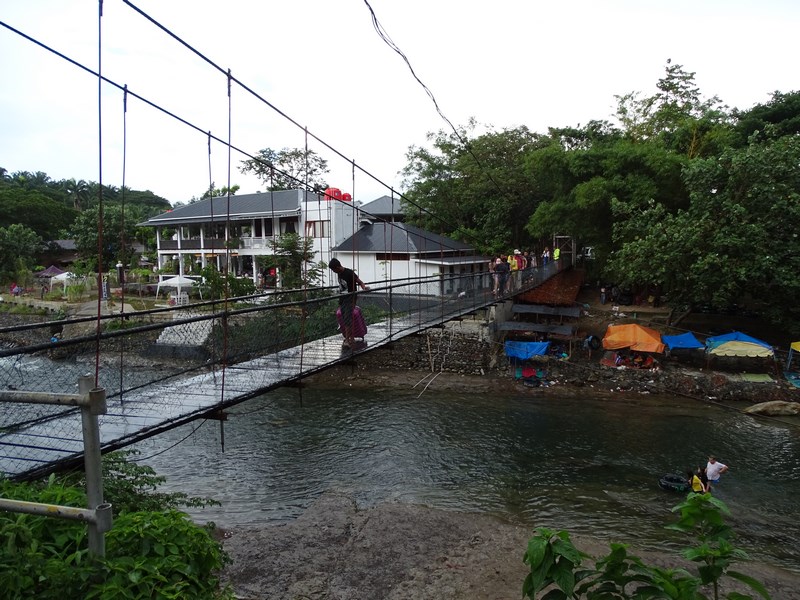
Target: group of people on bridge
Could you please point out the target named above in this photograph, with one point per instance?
(509, 270)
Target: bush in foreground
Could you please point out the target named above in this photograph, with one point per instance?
(558, 570)
(157, 552)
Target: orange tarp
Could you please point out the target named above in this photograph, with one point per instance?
(635, 337)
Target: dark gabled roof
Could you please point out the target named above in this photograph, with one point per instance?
(384, 207)
(246, 206)
(399, 238)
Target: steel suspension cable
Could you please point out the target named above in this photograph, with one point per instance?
(99, 191)
(226, 267)
(121, 270)
(208, 133)
(203, 131)
(298, 125)
(301, 239)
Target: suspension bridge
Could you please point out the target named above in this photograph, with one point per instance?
(166, 367)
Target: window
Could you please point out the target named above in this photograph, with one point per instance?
(288, 225)
(395, 256)
(318, 229)
(265, 226)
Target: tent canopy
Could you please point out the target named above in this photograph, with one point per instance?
(684, 340)
(737, 343)
(794, 347)
(179, 281)
(526, 350)
(633, 336)
(65, 278)
(50, 271)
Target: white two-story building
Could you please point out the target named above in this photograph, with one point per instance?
(370, 238)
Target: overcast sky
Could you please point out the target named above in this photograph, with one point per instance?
(507, 63)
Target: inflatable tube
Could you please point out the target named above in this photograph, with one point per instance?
(673, 483)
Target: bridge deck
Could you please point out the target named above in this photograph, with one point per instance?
(163, 405)
(37, 439)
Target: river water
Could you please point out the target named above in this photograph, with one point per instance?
(588, 465)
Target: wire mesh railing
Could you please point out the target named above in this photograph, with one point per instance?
(161, 368)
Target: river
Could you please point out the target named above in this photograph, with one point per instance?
(588, 465)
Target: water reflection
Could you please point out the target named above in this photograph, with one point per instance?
(582, 464)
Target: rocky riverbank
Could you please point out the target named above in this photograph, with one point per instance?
(408, 552)
(459, 358)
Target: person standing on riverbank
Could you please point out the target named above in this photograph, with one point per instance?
(713, 470)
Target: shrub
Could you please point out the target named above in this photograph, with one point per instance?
(556, 566)
(152, 551)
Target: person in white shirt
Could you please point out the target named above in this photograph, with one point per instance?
(714, 469)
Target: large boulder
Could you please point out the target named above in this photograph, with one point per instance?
(775, 408)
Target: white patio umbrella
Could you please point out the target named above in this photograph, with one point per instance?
(179, 281)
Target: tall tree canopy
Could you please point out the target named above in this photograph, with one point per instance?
(684, 193)
(473, 188)
(18, 247)
(287, 169)
(45, 216)
(119, 233)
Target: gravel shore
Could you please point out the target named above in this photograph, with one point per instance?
(407, 552)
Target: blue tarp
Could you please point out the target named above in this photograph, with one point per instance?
(684, 340)
(525, 350)
(737, 344)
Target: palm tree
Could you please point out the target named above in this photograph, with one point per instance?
(78, 191)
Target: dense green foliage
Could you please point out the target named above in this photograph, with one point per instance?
(560, 572)
(18, 247)
(69, 209)
(680, 192)
(217, 285)
(293, 258)
(152, 551)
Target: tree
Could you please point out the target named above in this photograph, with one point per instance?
(78, 191)
(118, 230)
(732, 243)
(215, 192)
(581, 172)
(677, 116)
(34, 210)
(293, 255)
(18, 247)
(473, 188)
(780, 116)
(287, 169)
